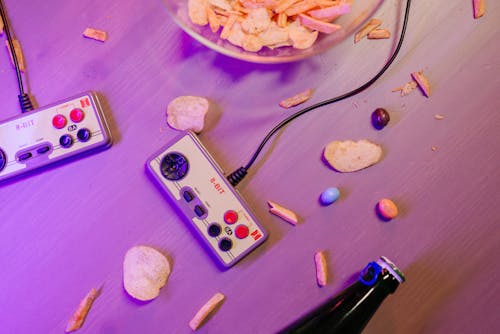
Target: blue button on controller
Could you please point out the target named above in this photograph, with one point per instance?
(3, 160)
(66, 141)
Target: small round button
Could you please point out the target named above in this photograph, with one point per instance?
(3, 159)
(66, 141)
(241, 231)
(225, 244)
(231, 217)
(174, 166)
(83, 135)
(214, 230)
(76, 115)
(59, 121)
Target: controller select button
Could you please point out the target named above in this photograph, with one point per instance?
(225, 244)
(231, 217)
(59, 121)
(83, 135)
(199, 211)
(76, 115)
(66, 141)
(214, 230)
(241, 231)
(3, 159)
(174, 166)
(188, 196)
(24, 156)
(43, 149)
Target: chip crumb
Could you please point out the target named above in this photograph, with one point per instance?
(282, 212)
(407, 88)
(296, 99)
(321, 268)
(434, 148)
(1, 26)
(438, 117)
(78, 317)
(206, 310)
(422, 82)
(19, 54)
(95, 34)
(379, 34)
(479, 8)
(367, 28)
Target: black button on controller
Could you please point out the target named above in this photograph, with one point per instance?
(66, 141)
(174, 166)
(225, 245)
(83, 135)
(3, 159)
(214, 230)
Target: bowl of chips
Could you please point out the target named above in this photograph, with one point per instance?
(270, 31)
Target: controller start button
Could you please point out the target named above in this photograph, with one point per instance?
(66, 141)
(225, 244)
(59, 121)
(231, 217)
(77, 115)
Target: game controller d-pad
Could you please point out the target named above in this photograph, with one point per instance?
(174, 166)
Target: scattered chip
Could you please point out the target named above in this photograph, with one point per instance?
(367, 28)
(78, 318)
(206, 310)
(284, 213)
(98, 35)
(479, 8)
(187, 113)
(438, 117)
(379, 34)
(1, 26)
(422, 82)
(145, 272)
(434, 148)
(19, 54)
(350, 156)
(407, 88)
(321, 269)
(297, 99)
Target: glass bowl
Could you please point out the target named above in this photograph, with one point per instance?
(361, 10)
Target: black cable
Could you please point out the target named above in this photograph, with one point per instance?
(24, 99)
(236, 176)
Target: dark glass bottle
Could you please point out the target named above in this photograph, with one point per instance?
(350, 310)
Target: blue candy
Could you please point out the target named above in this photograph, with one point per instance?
(329, 196)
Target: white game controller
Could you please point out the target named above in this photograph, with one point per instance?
(42, 137)
(187, 173)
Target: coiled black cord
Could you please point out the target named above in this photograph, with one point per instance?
(238, 175)
(24, 99)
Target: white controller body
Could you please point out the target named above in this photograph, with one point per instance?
(187, 173)
(45, 136)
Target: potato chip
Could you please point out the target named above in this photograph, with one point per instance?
(479, 8)
(330, 13)
(95, 34)
(422, 82)
(282, 212)
(197, 10)
(371, 25)
(379, 34)
(321, 269)
(206, 310)
(78, 317)
(296, 99)
(187, 113)
(351, 156)
(145, 272)
(318, 25)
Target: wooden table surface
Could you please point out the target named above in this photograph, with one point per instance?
(66, 230)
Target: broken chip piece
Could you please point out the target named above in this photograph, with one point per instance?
(351, 156)
(1, 26)
(206, 310)
(367, 28)
(95, 34)
(321, 269)
(19, 54)
(284, 213)
(187, 113)
(422, 82)
(407, 88)
(78, 317)
(296, 99)
(479, 8)
(145, 272)
(379, 34)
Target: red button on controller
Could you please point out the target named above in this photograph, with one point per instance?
(77, 115)
(231, 217)
(59, 121)
(241, 231)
